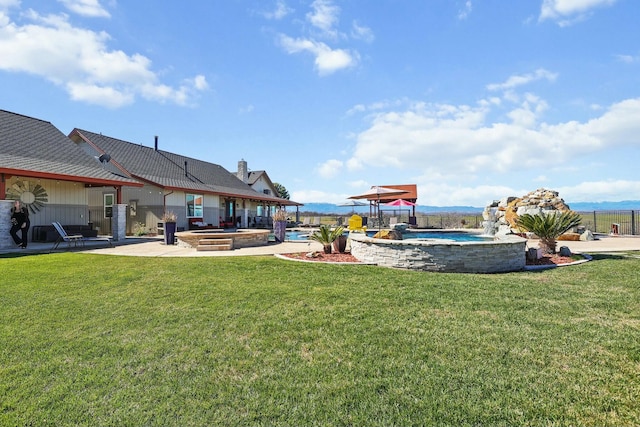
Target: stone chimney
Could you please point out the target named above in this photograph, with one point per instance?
(243, 171)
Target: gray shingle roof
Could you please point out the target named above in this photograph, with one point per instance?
(30, 145)
(170, 170)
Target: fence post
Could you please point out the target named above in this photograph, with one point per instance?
(595, 225)
(633, 222)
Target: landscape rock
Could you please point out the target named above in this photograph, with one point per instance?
(388, 234)
(564, 251)
(573, 237)
(502, 215)
(587, 236)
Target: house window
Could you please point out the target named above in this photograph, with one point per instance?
(266, 191)
(194, 205)
(108, 205)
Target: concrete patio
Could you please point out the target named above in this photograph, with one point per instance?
(154, 247)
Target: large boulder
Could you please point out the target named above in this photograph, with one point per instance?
(504, 213)
(587, 236)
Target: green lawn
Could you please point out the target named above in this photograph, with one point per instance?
(257, 341)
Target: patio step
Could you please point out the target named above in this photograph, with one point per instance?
(215, 245)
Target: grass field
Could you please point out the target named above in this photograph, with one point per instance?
(90, 340)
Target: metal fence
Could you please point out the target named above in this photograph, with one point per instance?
(615, 222)
(623, 222)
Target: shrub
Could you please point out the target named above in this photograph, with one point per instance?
(548, 227)
(325, 236)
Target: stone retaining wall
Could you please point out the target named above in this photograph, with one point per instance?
(504, 254)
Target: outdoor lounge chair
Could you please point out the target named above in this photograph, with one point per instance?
(315, 222)
(75, 238)
(305, 221)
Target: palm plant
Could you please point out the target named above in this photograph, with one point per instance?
(548, 227)
(325, 236)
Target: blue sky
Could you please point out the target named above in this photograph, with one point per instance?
(470, 100)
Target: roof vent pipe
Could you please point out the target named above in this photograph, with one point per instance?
(156, 143)
(186, 171)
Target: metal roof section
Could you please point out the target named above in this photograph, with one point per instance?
(170, 170)
(36, 148)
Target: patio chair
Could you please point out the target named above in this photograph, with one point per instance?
(64, 237)
(74, 238)
(305, 221)
(315, 222)
(355, 223)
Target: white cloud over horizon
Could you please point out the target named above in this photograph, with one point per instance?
(458, 144)
(80, 61)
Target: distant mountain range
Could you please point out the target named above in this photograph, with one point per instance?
(329, 208)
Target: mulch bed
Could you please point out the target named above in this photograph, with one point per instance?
(549, 259)
(554, 259)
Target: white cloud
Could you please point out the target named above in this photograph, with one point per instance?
(281, 10)
(327, 60)
(330, 168)
(609, 190)
(93, 94)
(361, 33)
(459, 143)
(80, 61)
(443, 194)
(91, 8)
(324, 19)
(628, 59)
(313, 196)
(359, 184)
(324, 16)
(6, 4)
(567, 12)
(465, 11)
(523, 79)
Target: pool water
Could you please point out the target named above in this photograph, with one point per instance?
(458, 236)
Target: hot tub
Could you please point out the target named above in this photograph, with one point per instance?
(241, 238)
(498, 255)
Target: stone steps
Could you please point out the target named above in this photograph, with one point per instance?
(215, 245)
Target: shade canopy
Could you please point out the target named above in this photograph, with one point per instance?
(376, 191)
(400, 203)
(352, 203)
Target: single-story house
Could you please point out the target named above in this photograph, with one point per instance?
(114, 186)
(198, 192)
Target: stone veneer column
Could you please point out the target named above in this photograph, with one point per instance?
(119, 222)
(5, 224)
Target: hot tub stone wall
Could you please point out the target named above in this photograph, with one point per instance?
(498, 256)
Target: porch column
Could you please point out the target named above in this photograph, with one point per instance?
(119, 222)
(5, 224)
(3, 187)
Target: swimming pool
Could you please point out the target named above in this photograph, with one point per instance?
(456, 236)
